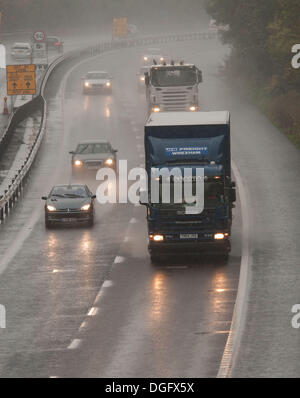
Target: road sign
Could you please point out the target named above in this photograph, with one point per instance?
(39, 35)
(20, 79)
(120, 27)
(39, 50)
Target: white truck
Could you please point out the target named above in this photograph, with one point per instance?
(173, 87)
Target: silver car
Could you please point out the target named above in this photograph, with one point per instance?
(91, 155)
(21, 50)
(97, 82)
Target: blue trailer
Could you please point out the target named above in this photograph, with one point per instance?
(189, 142)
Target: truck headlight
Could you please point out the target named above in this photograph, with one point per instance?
(108, 84)
(193, 108)
(145, 58)
(51, 208)
(109, 162)
(78, 163)
(219, 236)
(85, 207)
(142, 78)
(87, 84)
(156, 109)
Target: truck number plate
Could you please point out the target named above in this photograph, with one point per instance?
(188, 236)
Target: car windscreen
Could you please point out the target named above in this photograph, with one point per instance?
(97, 76)
(93, 148)
(21, 47)
(173, 76)
(78, 191)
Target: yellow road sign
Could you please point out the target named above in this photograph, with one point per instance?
(20, 79)
(120, 27)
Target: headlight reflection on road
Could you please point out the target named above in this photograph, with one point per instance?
(107, 112)
(86, 102)
(158, 296)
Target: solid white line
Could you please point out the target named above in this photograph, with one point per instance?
(240, 308)
(74, 344)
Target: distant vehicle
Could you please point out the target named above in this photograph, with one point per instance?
(55, 43)
(216, 28)
(91, 155)
(69, 203)
(21, 51)
(97, 81)
(153, 56)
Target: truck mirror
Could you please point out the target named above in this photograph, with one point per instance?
(232, 195)
(200, 78)
(144, 198)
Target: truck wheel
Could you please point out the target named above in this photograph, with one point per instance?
(155, 259)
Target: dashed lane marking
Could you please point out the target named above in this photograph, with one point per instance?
(74, 344)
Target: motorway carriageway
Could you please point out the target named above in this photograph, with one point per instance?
(87, 302)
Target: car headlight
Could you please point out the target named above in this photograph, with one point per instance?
(87, 84)
(108, 84)
(51, 208)
(78, 163)
(142, 78)
(85, 207)
(156, 109)
(145, 58)
(109, 162)
(193, 108)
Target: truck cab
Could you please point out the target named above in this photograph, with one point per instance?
(197, 146)
(173, 87)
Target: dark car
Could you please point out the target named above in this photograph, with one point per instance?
(91, 155)
(69, 203)
(54, 43)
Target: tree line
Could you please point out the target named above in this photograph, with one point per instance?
(262, 34)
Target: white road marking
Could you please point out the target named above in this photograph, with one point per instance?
(56, 271)
(240, 308)
(74, 344)
(119, 260)
(93, 311)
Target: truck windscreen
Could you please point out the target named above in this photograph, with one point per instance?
(173, 76)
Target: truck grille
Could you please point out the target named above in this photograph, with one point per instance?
(176, 100)
(93, 163)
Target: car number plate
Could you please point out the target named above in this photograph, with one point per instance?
(188, 236)
(69, 219)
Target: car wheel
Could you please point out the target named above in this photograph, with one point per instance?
(91, 221)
